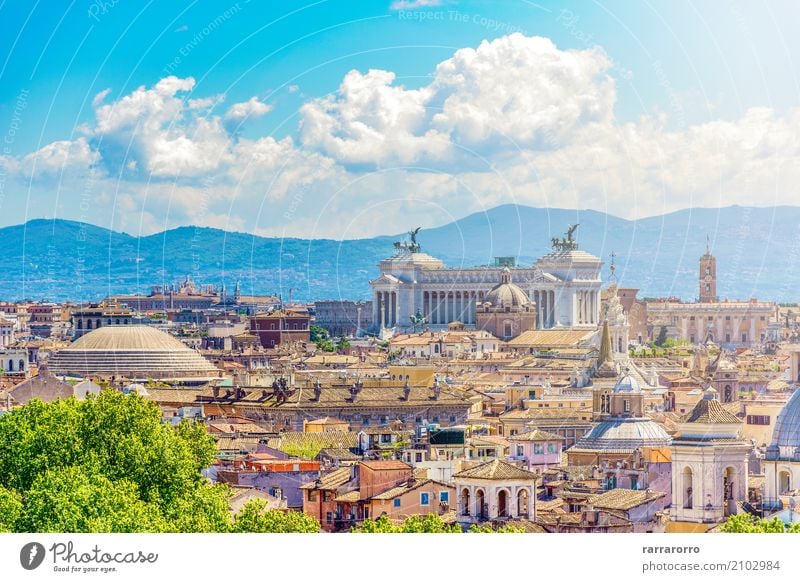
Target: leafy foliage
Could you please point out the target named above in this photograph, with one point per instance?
(254, 517)
(662, 336)
(431, 523)
(747, 523)
(108, 464)
(321, 338)
(10, 509)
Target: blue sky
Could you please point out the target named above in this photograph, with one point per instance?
(700, 98)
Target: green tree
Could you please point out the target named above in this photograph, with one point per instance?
(747, 523)
(93, 465)
(73, 500)
(662, 336)
(254, 517)
(10, 510)
(342, 344)
(431, 523)
(318, 334)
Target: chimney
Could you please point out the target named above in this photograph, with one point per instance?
(437, 388)
(355, 389)
(317, 390)
(406, 390)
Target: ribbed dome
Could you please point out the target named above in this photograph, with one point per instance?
(127, 337)
(624, 434)
(135, 351)
(506, 294)
(787, 427)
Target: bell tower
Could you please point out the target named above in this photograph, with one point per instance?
(708, 276)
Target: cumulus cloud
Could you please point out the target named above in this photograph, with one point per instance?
(514, 120)
(513, 92)
(250, 108)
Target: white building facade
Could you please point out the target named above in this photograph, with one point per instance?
(564, 285)
(709, 464)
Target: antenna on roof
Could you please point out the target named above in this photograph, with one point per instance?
(613, 267)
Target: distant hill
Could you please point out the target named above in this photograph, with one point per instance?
(757, 253)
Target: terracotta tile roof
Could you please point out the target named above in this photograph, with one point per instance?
(496, 470)
(710, 411)
(536, 435)
(624, 499)
(406, 487)
(493, 440)
(385, 465)
(324, 440)
(330, 480)
(551, 338)
(339, 454)
(350, 496)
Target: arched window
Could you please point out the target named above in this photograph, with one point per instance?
(481, 513)
(80, 323)
(784, 482)
(465, 501)
(522, 502)
(688, 491)
(88, 324)
(99, 324)
(502, 503)
(21, 367)
(11, 365)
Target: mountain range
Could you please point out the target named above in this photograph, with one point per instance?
(757, 252)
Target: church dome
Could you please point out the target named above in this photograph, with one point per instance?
(134, 351)
(624, 434)
(787, 427)
(506, 294)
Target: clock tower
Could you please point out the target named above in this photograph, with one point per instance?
(708, 276)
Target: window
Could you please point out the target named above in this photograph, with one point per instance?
(312, 495)
(520, 450)
(538, 449)
(329, 517)
(418, 457)
(396, 502)
(327, 495)
(626, 404)
(424, 498)
(727, 338)
(386, 438)
(532, 394)
(634, 483)
(444, 496)
(744, 338)
(552, 448)
(761, 419)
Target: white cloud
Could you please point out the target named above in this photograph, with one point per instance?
(98, 99)
(515, 120)
(59, 157)
(250, 108)
(513, 92)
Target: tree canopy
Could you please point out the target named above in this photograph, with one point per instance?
(747, 523)
(431, 523)
(109, 464)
